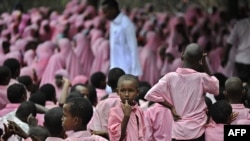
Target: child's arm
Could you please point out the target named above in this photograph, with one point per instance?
(65, 90)
(172, 108)
(127, 111)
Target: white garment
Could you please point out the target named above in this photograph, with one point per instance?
(240, 38)
(12, 117)
(123, 46)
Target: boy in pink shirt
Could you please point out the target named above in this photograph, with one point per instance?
(221, 114)
(77, 112)
(99, 122)
(183, 92)
(98, 80)
(4, 81)
(234, 92)
(16, 94)
(126, 120)
(158, 121)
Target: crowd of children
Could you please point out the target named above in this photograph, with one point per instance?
(55, 81)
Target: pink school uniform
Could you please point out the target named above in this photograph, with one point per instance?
(99, 121)
(54, 139)
(158, 121)
(135, 128)
(3, 96)
(100, 94)
(214, 132)
(244, 113)
(10, 107)
(185, 88)
(84, 136)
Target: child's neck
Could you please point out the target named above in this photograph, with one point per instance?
(80, 128)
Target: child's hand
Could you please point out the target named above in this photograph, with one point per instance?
(32, 121)
(175, 115)
(8, 132)
(17, 129)
(233, 116)
(66, 82)
(126, 109)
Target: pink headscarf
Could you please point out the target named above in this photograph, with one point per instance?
(84, 52)
(80, 79)
(14, 54)
(94, 35)
(63, 73)
(20, 45)
(55, 63)
(28, 70)
(101, 61)
(24, 23)
(153, 41)
(45, 35)
(149, 66)
(73, 65)
(29, 57)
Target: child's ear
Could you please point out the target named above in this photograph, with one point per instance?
(225, 93)
(76, 121)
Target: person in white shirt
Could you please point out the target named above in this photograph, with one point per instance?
(123, 42)
(240, 39)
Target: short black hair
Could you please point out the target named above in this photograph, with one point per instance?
(25, 109)
(92, 95)
(220, 111)
(25, 80)
(96, 79)
(13, 65)
(80, 107)
(110, 4)
(53, 120)
(128, 77)
(38, 98)
(39, 131)
(49, 91)
(74, 94)
(144, 87)
(113, 76)
(5, 73)
(73, 88)
(16, 92)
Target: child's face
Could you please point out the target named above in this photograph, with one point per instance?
(127, 91)
(68, 121)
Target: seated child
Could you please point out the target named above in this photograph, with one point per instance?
(234, 92)
(77, 113)
(53, 122)
(126, 120)
(221, 112)
(98, 80)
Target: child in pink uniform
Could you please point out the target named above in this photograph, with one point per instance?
(98, 80)
(126, 120)
(234, 92)
(99, 122)
(77, 113)
(183, 92)
(4, 81)
(220, 112)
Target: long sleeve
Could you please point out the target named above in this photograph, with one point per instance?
(114, 126)
(159, 92)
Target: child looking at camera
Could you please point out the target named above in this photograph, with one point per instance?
(126, 120)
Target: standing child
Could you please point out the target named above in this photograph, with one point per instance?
(183, 92)
(77, 113)
(126, 120)
(99, 122)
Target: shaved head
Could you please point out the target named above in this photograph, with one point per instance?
(234, 88)
(193, 53)
(233, 84)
